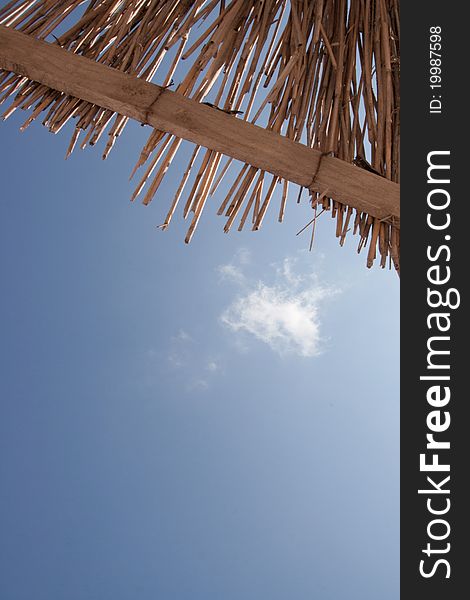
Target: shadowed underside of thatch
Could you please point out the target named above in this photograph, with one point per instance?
(321, 72)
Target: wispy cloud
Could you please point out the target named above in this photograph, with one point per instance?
(182, 336)
(179, 352)
(212, 366)
(196, 367)
(197, 385)
(233, 271)
(285, 314)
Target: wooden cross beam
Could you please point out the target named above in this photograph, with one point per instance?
(165, 110)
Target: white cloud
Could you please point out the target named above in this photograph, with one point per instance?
(243, 256)
(176, 360)
(196, 369)
(182, 336)
(231, 273)
(286, 271)
(197, 385)
(285, 315)
(179, 352)
(212, 366)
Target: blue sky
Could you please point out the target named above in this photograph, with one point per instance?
(218, 420)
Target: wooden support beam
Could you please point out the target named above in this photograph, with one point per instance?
(169, 111)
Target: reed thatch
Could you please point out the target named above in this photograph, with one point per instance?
(322, 72)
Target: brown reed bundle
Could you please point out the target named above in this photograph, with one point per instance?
(323, 72)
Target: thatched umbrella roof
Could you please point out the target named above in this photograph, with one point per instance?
(321, 72)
